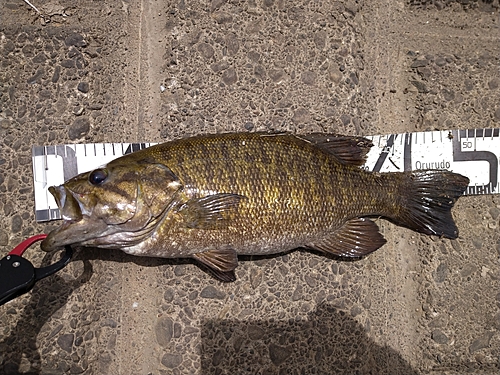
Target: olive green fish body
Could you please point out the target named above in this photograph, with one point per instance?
(213, 197)
(293, 193)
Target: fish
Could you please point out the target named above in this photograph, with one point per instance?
(214, 197)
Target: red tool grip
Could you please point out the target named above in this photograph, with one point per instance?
(21, 248)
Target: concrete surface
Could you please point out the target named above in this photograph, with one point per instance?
(419, 305)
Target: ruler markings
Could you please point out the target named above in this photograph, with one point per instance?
(474, 153)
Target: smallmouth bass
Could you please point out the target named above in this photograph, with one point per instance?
(213, 197)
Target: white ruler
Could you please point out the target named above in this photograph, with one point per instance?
(52, 165)
(473, 153)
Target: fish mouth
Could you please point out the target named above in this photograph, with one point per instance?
(76, 226)
(69, 206)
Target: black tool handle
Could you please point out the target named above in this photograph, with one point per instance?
(18, 275)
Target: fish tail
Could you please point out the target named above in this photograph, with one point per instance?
(427, 197)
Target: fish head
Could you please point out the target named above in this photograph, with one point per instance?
(109, 206)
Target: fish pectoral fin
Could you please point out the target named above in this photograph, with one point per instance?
(347, 150)
(356, 238)
(210, 212)
(221, 263)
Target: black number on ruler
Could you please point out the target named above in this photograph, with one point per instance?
(491, 158)
(466, 144)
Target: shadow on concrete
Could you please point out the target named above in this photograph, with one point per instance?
(46, 297)
(328, 342)
(119, 256)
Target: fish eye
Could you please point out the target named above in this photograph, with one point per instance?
(98, 176)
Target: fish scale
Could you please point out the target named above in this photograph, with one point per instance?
(314, 190)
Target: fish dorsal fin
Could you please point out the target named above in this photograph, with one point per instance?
(210, 212)
(356, 238)
(347, 150)
(221, 263)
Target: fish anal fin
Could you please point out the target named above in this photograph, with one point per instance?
(356, 238)
(347, 150)
(210, 212)
(225, 277)
(221, 263)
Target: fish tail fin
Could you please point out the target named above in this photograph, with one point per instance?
(427, 197)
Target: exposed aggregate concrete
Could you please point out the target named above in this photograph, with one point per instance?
(159, 70)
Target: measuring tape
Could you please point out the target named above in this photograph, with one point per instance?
(472, 153)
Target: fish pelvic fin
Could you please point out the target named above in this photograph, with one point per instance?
(356, 238)
(210, 212)
(427, 197)
(347, 150)
(221, 263)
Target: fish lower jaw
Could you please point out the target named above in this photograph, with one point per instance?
(148, 249)
(47, 245)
